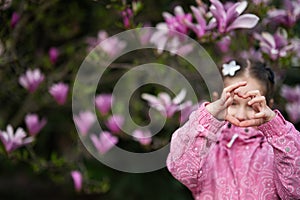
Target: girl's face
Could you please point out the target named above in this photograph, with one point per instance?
(239, 107)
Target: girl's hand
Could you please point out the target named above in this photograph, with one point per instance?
(219, 107)
(263, 112)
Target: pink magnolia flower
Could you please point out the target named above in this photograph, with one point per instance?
(231, 18)
(53, 54)
(104, 142)
(93, 42)
(287, 16)
(291, 94)
(166, 39)
(163, 102)
(127, 14)
(31, 79)
(143, 137)
(114, 123)
(145, 35)
(103, 103)
(59, 92)
(201, 26)
(34, 125)
(112, 46)
(276, 45)
(293, 111)
(77, 180)
(178, 22)
(14, 19)
(84, 121)
(12, 141)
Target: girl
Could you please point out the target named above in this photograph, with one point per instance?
(237, 147)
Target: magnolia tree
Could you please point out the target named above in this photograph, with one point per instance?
(37, 80)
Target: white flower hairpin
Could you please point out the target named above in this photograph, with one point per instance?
(230, 68)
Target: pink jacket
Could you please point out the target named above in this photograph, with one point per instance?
(218, 161)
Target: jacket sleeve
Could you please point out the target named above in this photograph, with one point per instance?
(190, 145)
(285, 140)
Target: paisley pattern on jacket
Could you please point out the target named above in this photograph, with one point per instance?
(216, 160)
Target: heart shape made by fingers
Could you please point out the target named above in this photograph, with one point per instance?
(245, 123)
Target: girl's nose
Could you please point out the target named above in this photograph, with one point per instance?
(241, 114)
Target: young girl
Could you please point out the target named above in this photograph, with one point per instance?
(237, 147)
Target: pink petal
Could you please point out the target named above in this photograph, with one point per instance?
(77, 179)
(268, 39)
(218, 10)
(199, 16)
(244, 21)
(180, 96)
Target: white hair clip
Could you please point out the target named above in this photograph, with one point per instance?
(230, 68)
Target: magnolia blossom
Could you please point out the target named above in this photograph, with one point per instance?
(293, 111)
(143, 137)
(103, 103)
(34, 125)
(53, 54)
(178, 22)
(84, 121)
(145, 34)
(231, 18)
(31, 79)
(166, 39)
(164, 104)
(114, 123)
(287, 16)
(104, 142)
(14, 19)
(12, 141)
(77, 180)
(291, 94)
(276, 45)
(127, 14)
(201, 26)
(112, 46)
(59, 92)
(93, 42)
(169, 35)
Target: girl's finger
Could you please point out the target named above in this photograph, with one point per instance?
(228, 101)
(234, 86)
(258, 99)
(252, 93)
(232, 120)
(259, 115)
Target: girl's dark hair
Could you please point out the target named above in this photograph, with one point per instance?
(262, 73)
